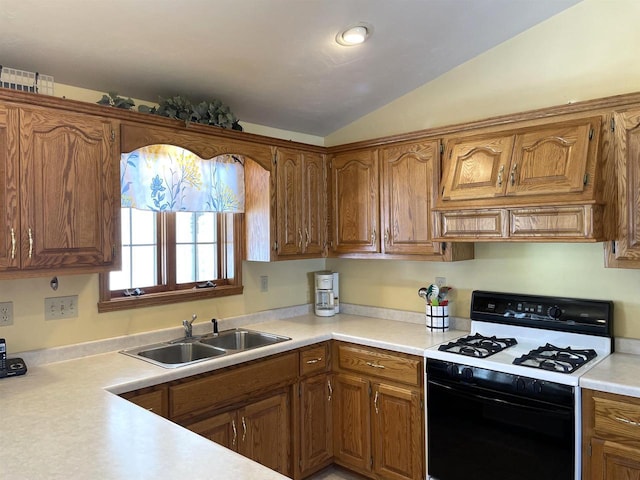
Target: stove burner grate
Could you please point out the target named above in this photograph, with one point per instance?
(478, 345)
(550, 357)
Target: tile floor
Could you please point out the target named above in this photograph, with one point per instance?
(335, 473)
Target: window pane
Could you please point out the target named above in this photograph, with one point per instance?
(122, 279)
(143, 227)
(185, 231)
(125, 215)
(185, 263)
(144, 266)
(207, 265)
(206, 222)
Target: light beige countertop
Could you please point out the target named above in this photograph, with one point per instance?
(63, 420)
(618, 373)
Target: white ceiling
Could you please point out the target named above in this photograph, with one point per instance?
(274, 62)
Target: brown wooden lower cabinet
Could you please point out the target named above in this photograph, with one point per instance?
(371, 423)
(610, 437)
(316, 429)
(259, 430)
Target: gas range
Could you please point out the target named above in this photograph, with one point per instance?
(512, 386)
(548, 338)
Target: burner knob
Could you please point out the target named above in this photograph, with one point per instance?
(521, 385)
(536, 386)
(467, 373)
(453, 370)
(554, 312)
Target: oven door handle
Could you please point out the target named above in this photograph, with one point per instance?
(464, 391)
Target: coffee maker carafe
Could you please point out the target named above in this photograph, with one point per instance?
(326, 301)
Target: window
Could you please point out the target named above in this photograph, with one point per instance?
(172, 256)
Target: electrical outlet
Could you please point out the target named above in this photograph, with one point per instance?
(60, 307)
(6, 314)
(441, 281)
(264, 283)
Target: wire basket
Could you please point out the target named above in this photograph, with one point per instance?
(25, 81)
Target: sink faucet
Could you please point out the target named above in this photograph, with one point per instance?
(214, 321)
(188, 328)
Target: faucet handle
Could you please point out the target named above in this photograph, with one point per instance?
(215, 325)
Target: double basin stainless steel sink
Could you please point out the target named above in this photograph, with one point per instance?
(187, 351)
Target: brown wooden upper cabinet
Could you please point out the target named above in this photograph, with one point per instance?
(624, 252)
(536, 183)
(548, 160)
(355, 198)
(382, 199)
(59, 190)
(301, 226)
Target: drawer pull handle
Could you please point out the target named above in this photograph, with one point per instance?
(330, 390)
(375, 365)
(314, 360)
(500, 173)
(235, 432)
(627, 421)
(375, 403)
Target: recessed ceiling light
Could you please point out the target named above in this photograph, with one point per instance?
(354, 35)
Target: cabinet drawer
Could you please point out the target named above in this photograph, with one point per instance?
(381, 364)
(232, 384)
(556, 222)
(471, 224)
(153, 399)
(617, 417)
(314, 360)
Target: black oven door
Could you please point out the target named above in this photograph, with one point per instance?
(479, 433)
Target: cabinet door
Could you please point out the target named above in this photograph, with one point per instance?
(554, 160)
(314, 218)
(288, 200)
(266, 432)
(625, 252)
(351, 427)
(397, 433)
(407, 195)
(316, 439)
(9, 201)
(476, 168)
(612, 461)
(69, 187)
(355, 202)
(222, 429)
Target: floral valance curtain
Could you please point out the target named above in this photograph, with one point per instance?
(166, 178)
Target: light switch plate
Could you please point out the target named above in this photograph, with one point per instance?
(60, 307)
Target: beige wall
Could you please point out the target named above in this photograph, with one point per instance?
(588, 51)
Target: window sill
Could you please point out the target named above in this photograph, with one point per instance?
(166, 298)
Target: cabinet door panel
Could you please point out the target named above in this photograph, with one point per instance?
(222, 429)
(69, 185)
(9, 201)
(397, 433)
(407, 193)
(476, 168)
(266, 432)
(612, 461)
(313, 201)
(316, 442)
(355, 192)
(626, 253)
(352, 444)
(289, 228)
(552, 160)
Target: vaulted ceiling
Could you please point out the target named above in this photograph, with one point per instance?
(274, 62)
